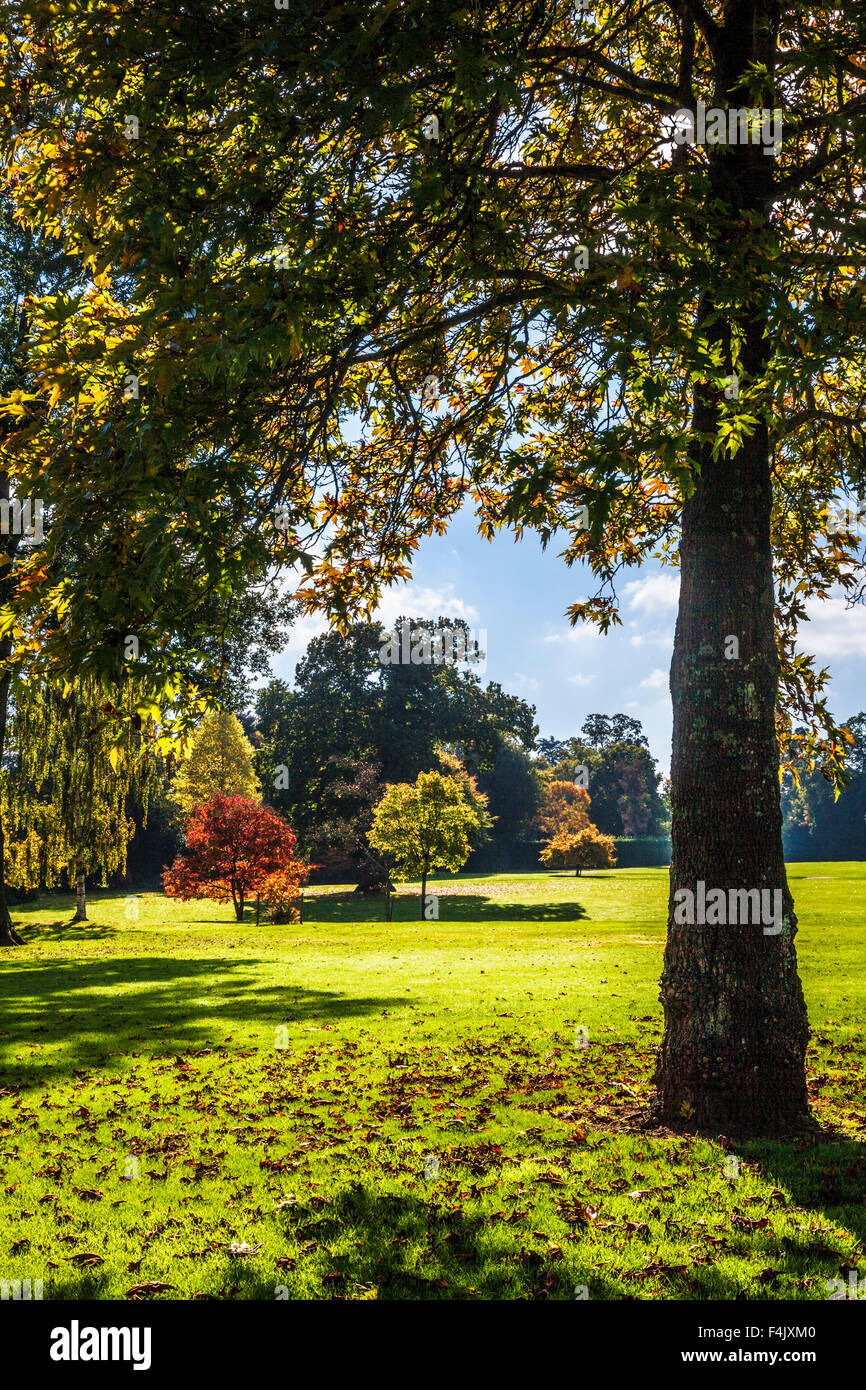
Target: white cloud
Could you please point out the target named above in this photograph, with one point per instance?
(656, 680)
(414, 602)
(583, 632)
(519, 681)
(657, 637)
(581, 680)
(305, 628)
(656, 592)
(409, 601)
(833, 629)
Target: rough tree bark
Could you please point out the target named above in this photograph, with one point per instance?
(733, 1053)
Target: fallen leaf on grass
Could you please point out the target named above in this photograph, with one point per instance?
(577, 1213)
(139, 1291)
(85, 1259)
(552, 1177)
(749, 1223)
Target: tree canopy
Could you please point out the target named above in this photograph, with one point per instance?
(235, 847)
(220, 760)
(280, 233)
(427, 824)
(392, 717)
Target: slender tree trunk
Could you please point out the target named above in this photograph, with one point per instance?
(239, 907)
(80, 896)
(733, 1054)
(423, 893)
(8, 935)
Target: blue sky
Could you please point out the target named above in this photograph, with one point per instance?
(519, 594)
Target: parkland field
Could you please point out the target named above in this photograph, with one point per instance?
(447, 1109)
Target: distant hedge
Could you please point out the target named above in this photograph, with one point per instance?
(651, 852)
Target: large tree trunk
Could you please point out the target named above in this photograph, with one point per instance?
(732, 1057)
(733, 1054)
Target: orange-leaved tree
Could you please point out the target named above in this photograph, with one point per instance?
(234, 846)
(282, 891)
(572, 841)
(565, 809)
(583, 849)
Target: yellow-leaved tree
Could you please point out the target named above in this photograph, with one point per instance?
(220, 760)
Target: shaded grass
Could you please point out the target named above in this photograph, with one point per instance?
(294, 1088)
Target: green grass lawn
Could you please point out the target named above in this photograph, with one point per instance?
(172, 1084)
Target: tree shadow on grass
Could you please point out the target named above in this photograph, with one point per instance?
(117, 1005)
(34, 932)
(471, 908)
(825, 1172)
(452, 907)
(408, 1249)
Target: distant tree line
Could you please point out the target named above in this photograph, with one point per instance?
(323, 751)
(816, 824)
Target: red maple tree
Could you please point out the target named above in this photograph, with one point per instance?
(234, 845)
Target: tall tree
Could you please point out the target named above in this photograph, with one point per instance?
(349, 704)
(30, 263)
(220, 760)
(66, 798)
(639, 325)
(819, 824)
(619, 771)
(513, 787)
